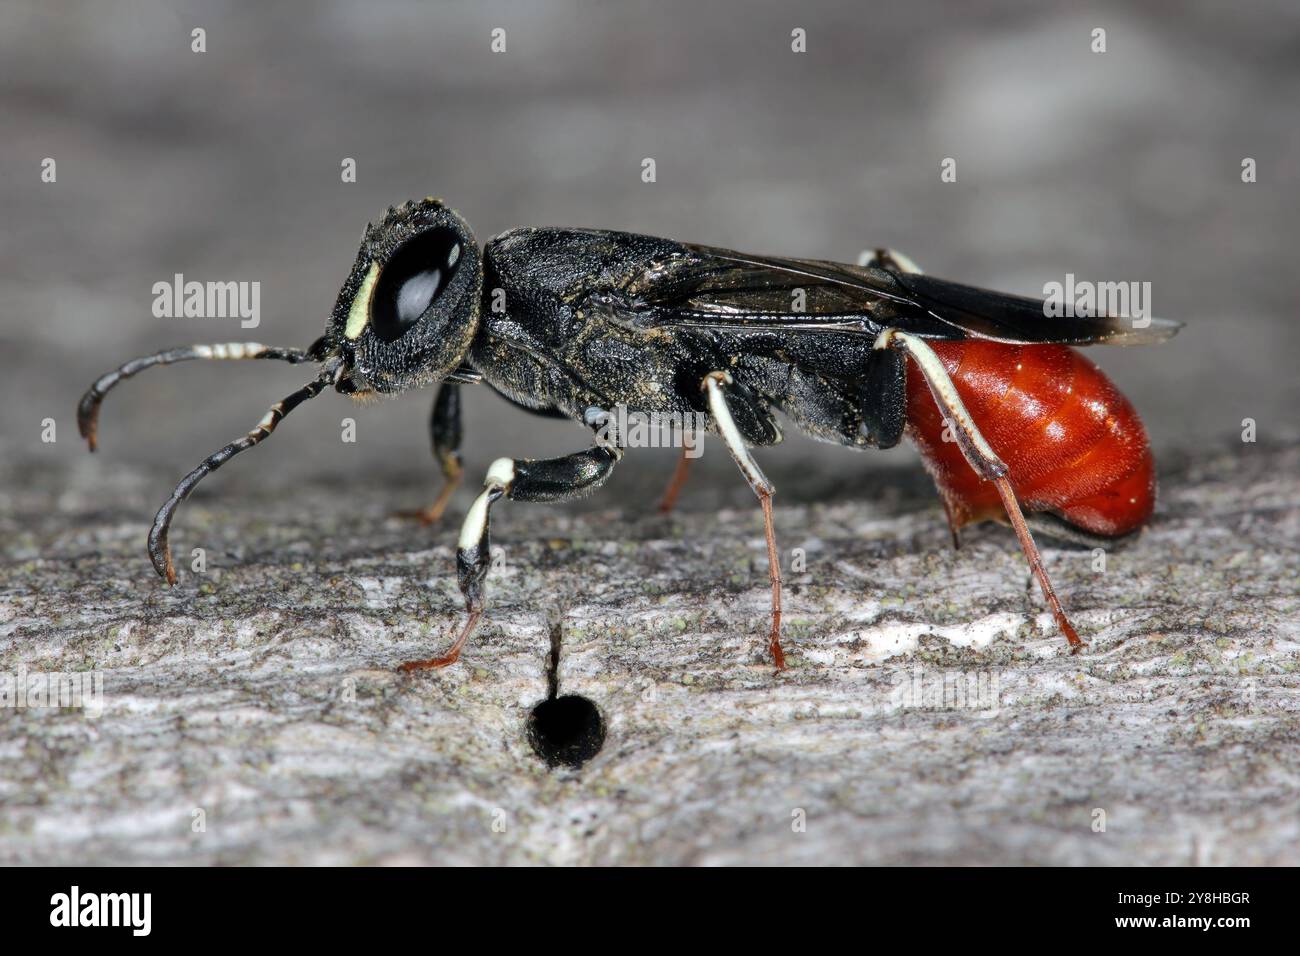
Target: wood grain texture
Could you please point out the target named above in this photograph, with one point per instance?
(264, 691)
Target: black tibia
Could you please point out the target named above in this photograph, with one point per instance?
(159, 551)
(88, 408)
(445, 430)
(559, 479)
(444, 434)
(883, 398)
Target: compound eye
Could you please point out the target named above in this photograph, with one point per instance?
(412, 280)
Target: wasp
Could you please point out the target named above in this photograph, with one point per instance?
(1011, 421)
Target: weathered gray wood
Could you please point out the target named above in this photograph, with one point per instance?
(263, 692)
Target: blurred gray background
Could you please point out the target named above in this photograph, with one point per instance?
(226, 165)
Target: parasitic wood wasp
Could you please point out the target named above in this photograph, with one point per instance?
(1012, 423)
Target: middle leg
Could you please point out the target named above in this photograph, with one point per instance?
(731, 437)
(545, 479)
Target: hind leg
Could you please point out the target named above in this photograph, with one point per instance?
(981, 457)
(680, 473)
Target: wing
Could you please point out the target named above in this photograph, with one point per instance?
(707, 288)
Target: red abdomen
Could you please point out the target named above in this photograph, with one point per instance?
(1074, 445)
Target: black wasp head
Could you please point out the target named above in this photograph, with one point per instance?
(408, 311)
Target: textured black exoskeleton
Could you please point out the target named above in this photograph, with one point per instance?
(577, 323)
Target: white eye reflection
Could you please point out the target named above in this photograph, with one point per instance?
(416, 294)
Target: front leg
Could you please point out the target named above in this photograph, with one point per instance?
(444, 434)
(544, 479)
